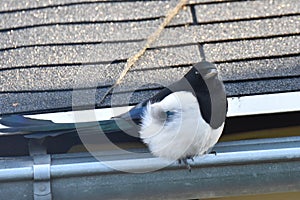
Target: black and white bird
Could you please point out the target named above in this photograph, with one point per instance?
(183, 120)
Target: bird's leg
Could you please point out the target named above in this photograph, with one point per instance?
(210, 151)
(190, 157)
(185, 162)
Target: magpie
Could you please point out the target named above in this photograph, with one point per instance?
(183, 120)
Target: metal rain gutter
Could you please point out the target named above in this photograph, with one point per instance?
(231, 172)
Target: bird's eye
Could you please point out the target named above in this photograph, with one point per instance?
(211, 73)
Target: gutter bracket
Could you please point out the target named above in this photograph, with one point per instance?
(41, 170)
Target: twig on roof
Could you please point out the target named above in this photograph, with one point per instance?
(152, 38)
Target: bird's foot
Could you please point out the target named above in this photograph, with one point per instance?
(210, 151)
(185, 162)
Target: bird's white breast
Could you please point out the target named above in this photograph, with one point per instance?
(184, 134)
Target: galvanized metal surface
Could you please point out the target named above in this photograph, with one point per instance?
(258, 170)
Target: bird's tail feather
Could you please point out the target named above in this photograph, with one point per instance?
(17, 124)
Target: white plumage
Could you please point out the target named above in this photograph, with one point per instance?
(180, 135)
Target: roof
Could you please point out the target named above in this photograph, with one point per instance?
(48, 49)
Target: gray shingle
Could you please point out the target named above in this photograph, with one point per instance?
(90, 32)
(62, 77)
(264, 68)
(141, 30)
(252, 48)
(235, 73)
(79, 33)
(232, 30)
(9, 5)
(262, 86)
(68, 54)
(87, 13)
(159, 58)
(97, 75)
(183, 17)
(137, 80)
(128, 98)
(232, 89)
(245, 9)
(208, 1)
(38, 101)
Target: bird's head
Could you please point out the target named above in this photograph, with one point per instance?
(202, 71)
(207, 70)
(206, 85)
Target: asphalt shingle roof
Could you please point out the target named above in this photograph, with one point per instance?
(48, 49)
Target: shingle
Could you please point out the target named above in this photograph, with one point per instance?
(9, 5)
(151, 79)
(262, 86)
(232, 89)
(68, 54)
(90, 32)
(78, 33)
(226, 31)
(128, 98)
(159, 58)
(208, 1)
(233, 72)
(183, 17)
(252, 48)
(245, 9)
(87, 13)
(137, 80)
(141, 30)
(62, 77)
(263, 68)
(12, 5)
(39, 101)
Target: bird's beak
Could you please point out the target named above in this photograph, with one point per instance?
(211, 73)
